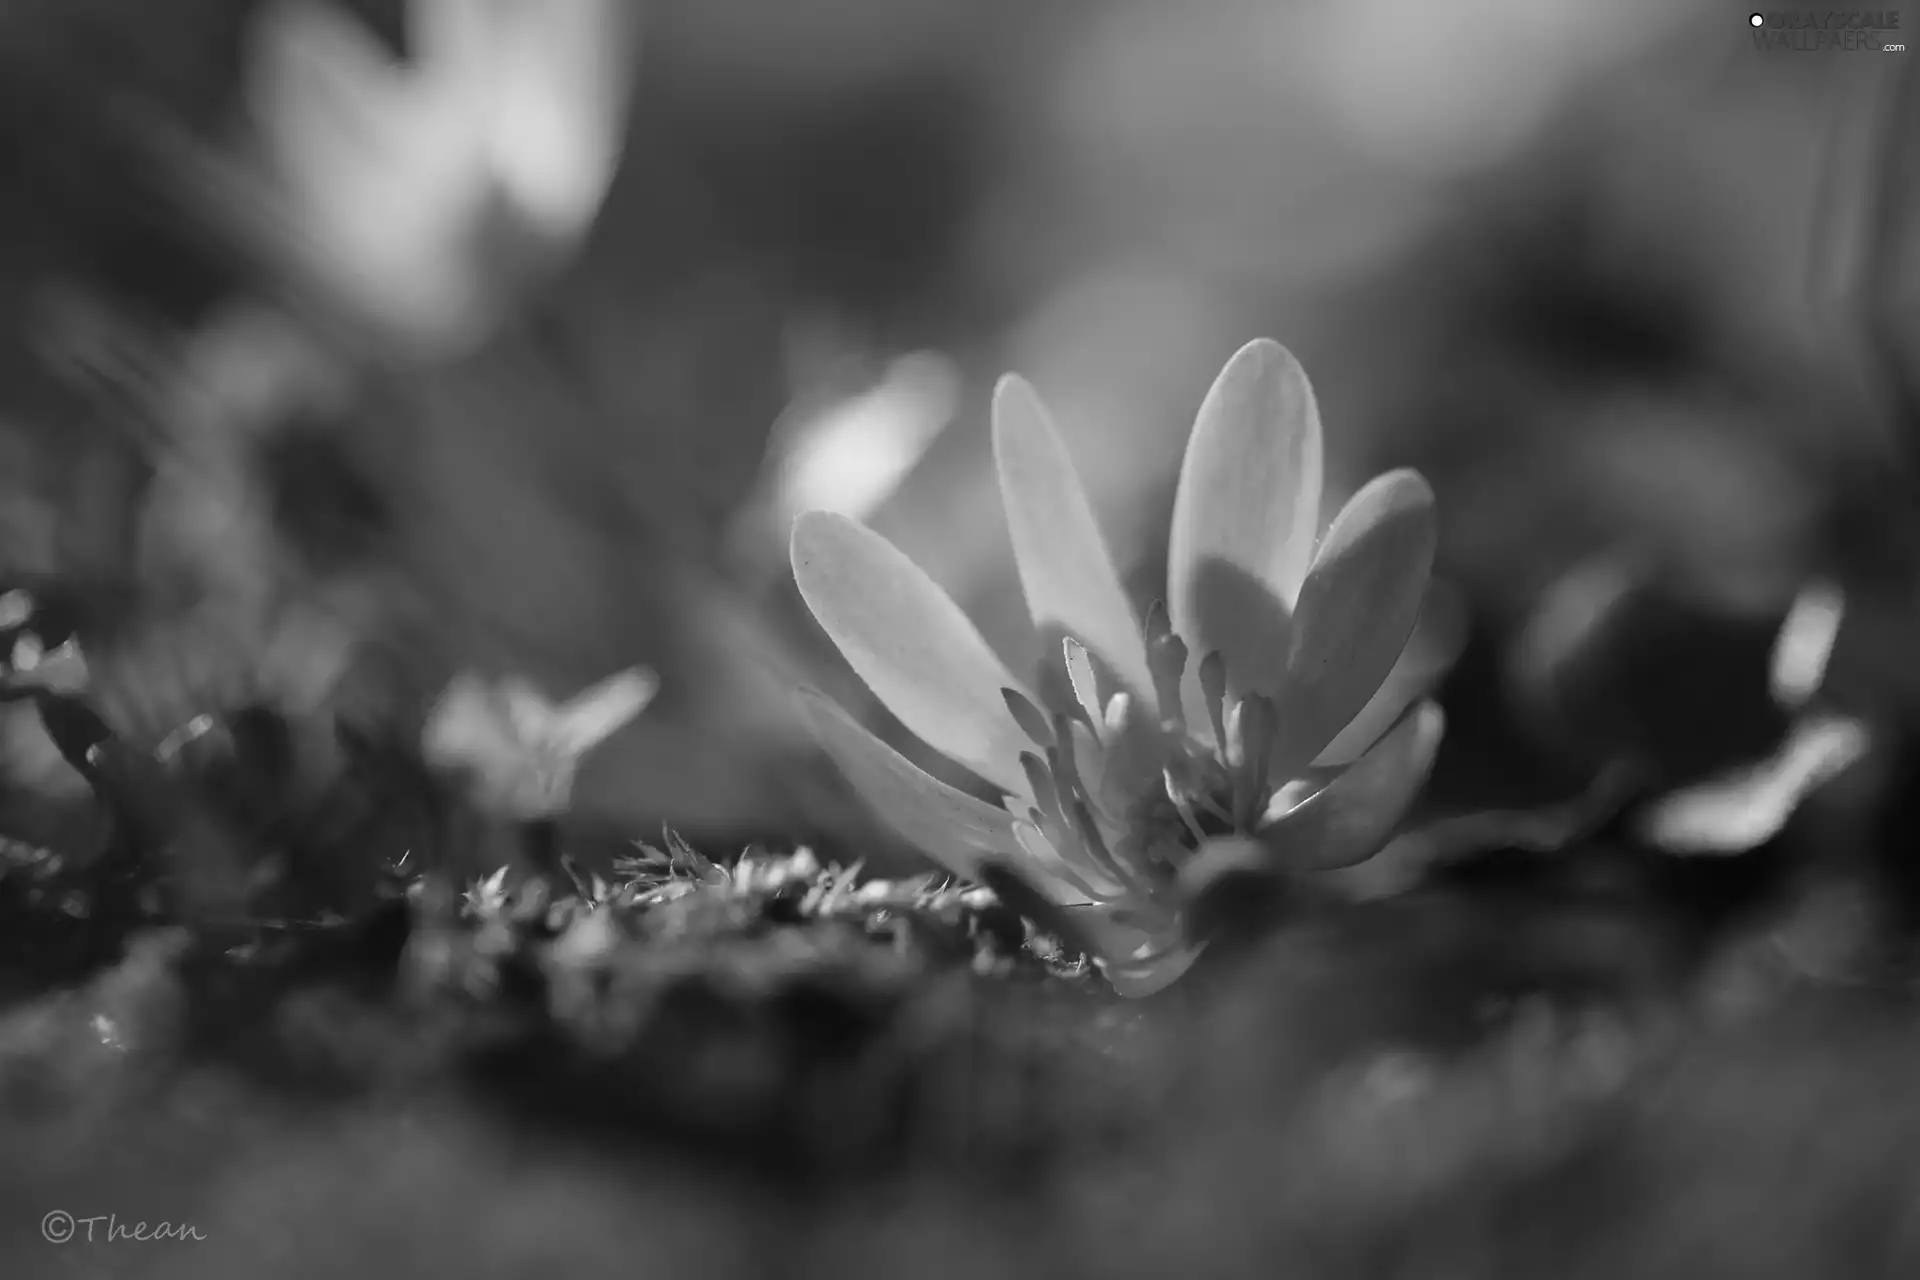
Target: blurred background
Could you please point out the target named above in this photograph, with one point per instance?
(1590, 267)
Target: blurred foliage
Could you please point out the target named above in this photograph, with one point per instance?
(1590, 308)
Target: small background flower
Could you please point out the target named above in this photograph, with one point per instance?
(521, 750)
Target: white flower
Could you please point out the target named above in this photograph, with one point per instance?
(521, 750)
(421, 193)
(1293, 729)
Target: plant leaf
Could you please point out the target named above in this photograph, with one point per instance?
(1065, 569)
(1356, 610)
(948, 825)
(1349, 820)
(1245, 515)
(912, 645)
(1744, 809)
(1804, 646)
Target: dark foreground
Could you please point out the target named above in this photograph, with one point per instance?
(768, 1072)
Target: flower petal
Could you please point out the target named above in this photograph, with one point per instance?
(1438, 637)
(911, 644)
(1065, 569)
(528, 711)
(467, 725)
(1245, 513)
(601, 710)
(1355, 612)
(1348, 820)
(950, 826)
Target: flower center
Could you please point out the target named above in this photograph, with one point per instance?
(1122, 797)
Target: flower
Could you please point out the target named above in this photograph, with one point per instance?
(1292, 730)
(498, 138)
(521, 749)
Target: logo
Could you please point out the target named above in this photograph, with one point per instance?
(1827, 30)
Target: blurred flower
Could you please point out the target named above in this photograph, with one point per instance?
(424, 196)
(521, 750)
(1282, 737)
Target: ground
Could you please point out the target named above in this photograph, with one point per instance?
(766, 1069)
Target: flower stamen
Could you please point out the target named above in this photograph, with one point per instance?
(1095, 846)
(1065, 763)
(1167, 661)
(1213, 688)
(1044, 850)
(1184, 807)
(1032, 720)
(1080, 675)
(1040, 782)
(1257, 727)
